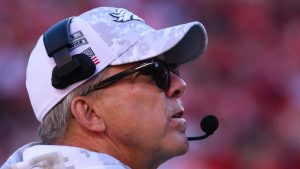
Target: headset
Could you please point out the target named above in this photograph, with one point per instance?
(69, 69)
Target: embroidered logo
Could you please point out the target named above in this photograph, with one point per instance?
(92, 55)
(123, 15)
(77, 39)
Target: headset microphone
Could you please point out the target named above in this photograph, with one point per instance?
(209, 125)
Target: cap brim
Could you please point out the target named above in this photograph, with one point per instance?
(179, 44)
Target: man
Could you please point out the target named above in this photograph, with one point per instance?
(106, 88)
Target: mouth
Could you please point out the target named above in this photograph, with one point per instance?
(178, 122)
(178, 115)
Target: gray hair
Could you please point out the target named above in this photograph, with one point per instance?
(55, 124)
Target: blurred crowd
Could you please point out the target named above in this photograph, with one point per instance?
(249, 76)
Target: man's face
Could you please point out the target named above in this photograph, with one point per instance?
(143, 118)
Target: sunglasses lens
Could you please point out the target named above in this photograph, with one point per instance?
(162, 76)
(174, 68)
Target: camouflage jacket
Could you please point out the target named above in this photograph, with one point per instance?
(37, 156)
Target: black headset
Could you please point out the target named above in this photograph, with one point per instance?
(69, 69)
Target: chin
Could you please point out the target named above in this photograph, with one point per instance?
(181, 146)
(174, 147)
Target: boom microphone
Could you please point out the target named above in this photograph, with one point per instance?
(209, 125)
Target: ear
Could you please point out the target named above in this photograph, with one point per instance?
(83, 111)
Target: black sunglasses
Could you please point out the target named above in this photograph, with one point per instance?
(158, 69)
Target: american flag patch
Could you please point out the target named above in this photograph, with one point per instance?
(92, 55)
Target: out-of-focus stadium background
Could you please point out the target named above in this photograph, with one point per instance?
(249, 76)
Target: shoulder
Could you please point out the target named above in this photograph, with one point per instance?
(63, 157)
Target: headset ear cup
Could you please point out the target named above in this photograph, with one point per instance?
(86, 64)
(80, 68)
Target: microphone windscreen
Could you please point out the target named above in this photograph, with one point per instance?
(209, 124)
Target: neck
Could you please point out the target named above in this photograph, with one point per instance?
(134, 157)
(138, 159)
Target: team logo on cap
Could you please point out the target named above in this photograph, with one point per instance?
(123, 15)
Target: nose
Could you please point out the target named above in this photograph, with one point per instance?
(177, 86)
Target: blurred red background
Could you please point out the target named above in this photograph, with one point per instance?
(249, 76)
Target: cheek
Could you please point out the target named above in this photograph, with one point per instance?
(149, 108)
(137, 117)
(146, 114)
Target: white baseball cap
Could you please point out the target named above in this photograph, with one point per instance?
(110, 36)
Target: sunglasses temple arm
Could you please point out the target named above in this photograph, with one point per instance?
(115, 78)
